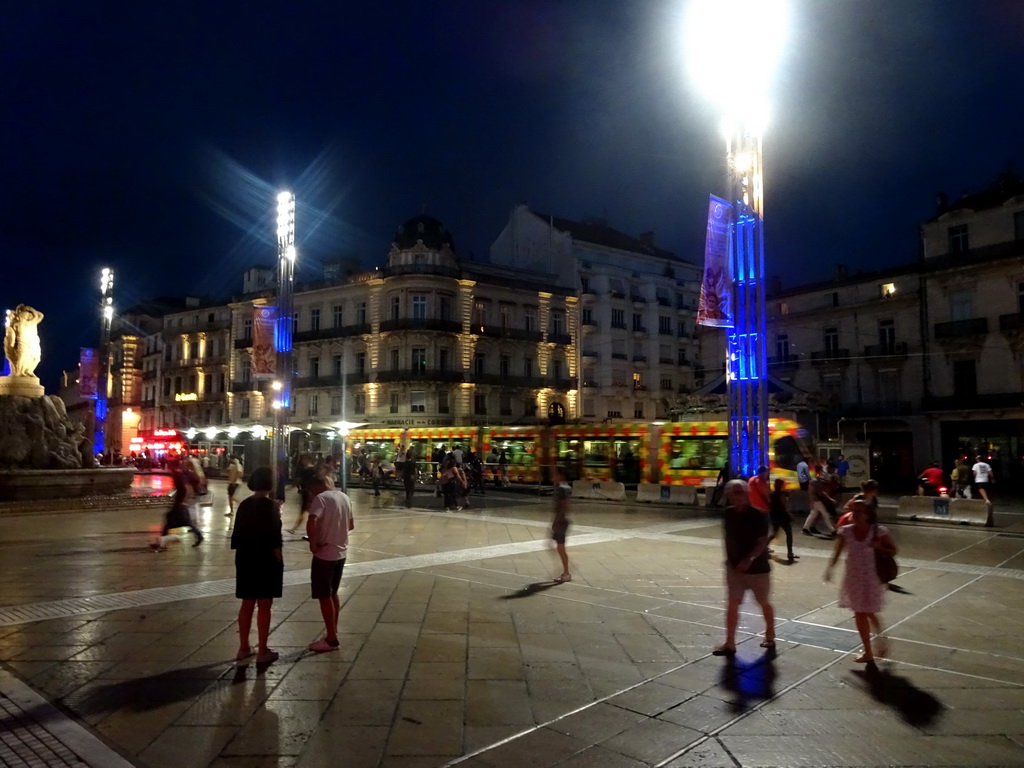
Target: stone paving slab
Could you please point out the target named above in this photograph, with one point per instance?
(455, 652)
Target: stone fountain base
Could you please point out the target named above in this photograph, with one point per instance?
(21, 386)
(32, 484)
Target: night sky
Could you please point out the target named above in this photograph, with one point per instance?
(152, 137)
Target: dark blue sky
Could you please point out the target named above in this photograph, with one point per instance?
(151, 138)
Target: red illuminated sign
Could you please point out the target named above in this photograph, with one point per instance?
(165, 433)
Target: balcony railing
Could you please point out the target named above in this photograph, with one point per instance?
(515, 334)
(149, 403)
(250, 386)
(330, 333)
(639, 358)
(560, 338)
(621, 326)
(421, 324)
(976, 326)
(995, 400)
(895, 349)
(562, 383)
(1012, 322)
(619, 356)
(667, 361)
(831, 357)
(639, 329)
(589, 353)
(590, 384)
(420, 374)
(325, 382)
(243, 343)
(507, 381)
(638, 299)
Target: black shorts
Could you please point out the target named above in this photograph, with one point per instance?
(232, 487)
(558, 532)
(981, 487)
(325, 577)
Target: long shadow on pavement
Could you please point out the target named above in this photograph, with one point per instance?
(749, 680)
(917, 707)
(530, 589)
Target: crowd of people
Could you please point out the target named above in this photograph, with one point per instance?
(969, 481)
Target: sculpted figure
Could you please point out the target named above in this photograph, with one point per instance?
(21, 341)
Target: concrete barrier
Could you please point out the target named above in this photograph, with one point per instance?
(587, 489)
(673, 494)
(945, 510)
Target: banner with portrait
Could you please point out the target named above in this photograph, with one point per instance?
(715, 307)
(264, 352)
(88, 372)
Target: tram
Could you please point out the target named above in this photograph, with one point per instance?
(669, 453)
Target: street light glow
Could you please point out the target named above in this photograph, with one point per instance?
(733, 49)
(106, 280)
(286, 219)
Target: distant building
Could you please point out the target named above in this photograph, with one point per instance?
(636, 314)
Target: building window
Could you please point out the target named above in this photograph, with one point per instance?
(393, 402)
(834, 299)
(1020, 298)
(479, 363)
(245, 408)
(888, 386)
(505, 316)
(442, 402)
(614, 414)
(446, 308)
(395, 359)
(396, 307)
(167, 387)
(480, 405)
(443, 361)
(505, 366)
(588, 316)
(782, 347)
(530, 319)
(831, 342)
(666, 383)
(556, 369)
(638, 410)
(360, 403)
(887, 335)
(888, 290)
(529, 406)
(783, 307)
(314, 405)
(207, 384)
(419, 307)
(247, 372)
(588, 407)
(177, 385)
(558, 323)
(618, 318)
(617, 288)
(584, 284)
(314, 367)
(338, 314)
(638, 381)
(638, 322)
(664, 325)
(336, 366)
(418, 401)
(247, 329)
(961, 305)
(505, 404)
(419, 359)
(681, 358)
(314, 319)
(958, 239)
(360, 362)
(832, 387)
(528, 367)
(335, 405)
(361, 313)
(479, 314)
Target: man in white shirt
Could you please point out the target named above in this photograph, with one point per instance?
(982, 472)
(328, 526)
(457, 453)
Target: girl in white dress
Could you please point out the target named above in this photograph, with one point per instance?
(861, 590)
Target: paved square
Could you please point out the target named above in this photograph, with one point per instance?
(457, 650)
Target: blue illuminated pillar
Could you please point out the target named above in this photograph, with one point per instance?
(284, 332)
(747, 347)
(103, 385)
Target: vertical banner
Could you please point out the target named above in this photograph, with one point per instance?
(715, 306)
(264, 353)
(88, 372)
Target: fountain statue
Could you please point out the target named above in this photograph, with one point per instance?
(43, 453)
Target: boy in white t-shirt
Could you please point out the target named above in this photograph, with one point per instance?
(982, 473)
(328, 526)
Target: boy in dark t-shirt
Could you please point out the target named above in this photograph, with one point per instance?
(560, 525)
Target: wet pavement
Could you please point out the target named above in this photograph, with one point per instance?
(457, 649)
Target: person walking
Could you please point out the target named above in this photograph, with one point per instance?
(449, 478)
(779, 515)
(983, 478)
(760, 490)
(330, 521)
(868, 493)
(803, 474)
(259, 565)
(746, 564)
(820, 504)
(560, 523)
(183, 512)
(861, 589)
(961, 477)
(408, 472)
(842, 470)
(234, 479)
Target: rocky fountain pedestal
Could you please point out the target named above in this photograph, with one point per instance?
(43, 455)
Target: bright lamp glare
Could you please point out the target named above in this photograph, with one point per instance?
(289, 252)
(733, 48)
(283, 198)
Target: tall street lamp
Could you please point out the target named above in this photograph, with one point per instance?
(283, 334)
(100, 442)
(733, 47)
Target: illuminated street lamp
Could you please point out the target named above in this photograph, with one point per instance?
(286, 255)
(733, 48)
(103, 388)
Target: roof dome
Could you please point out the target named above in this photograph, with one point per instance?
(425, 229)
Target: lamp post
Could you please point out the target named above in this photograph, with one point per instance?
(103, 389)
(733, 47)
(283, 336)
